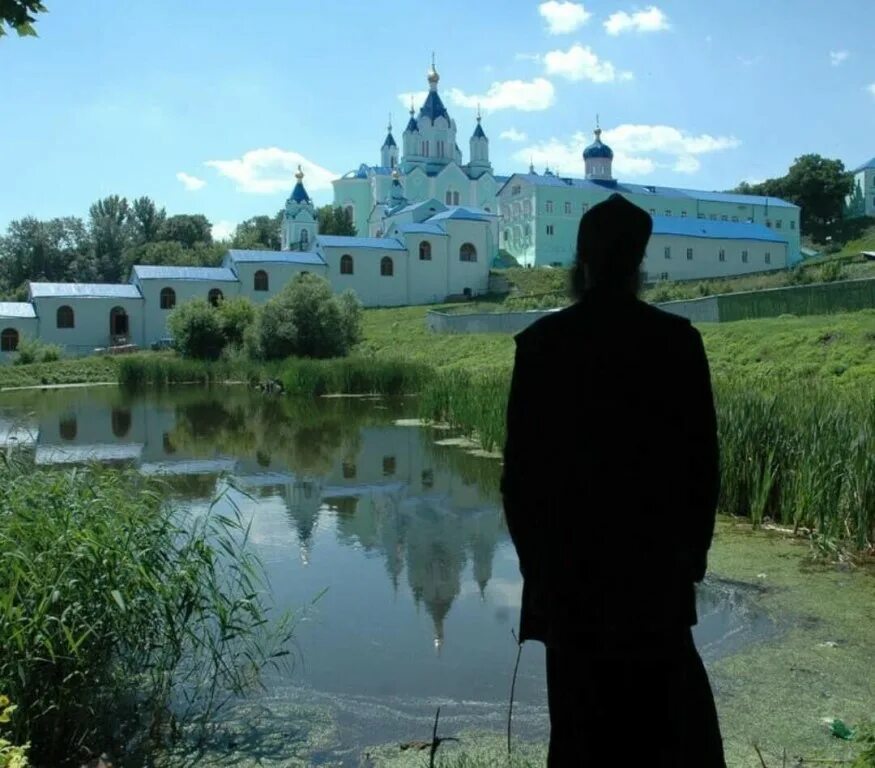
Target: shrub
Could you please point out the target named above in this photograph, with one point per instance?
(236, 316)
(307, 320)
(116, 608)
(831, 271)
(197, 330)
(36, 351)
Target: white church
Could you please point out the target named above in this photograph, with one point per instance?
(430, 228)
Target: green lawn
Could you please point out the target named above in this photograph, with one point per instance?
(833, 347)
(70, 371)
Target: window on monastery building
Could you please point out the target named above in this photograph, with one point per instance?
(793, 223)
(722, 255)
(653, 211)
(567, 207)
(549, 206)
(346, 267)
(667, 212)
(260, 281)
(449, 197)
(667, 251)
(663, 276)
(769, 223)
(8, 340)
(515, 189)
(486, 208)
(350, 211)
(527, 207)
(349, 470)
(778, 224)
(744, 257)
(214, 296)
(440, 148)
(305, 237)
(425, 250)
(506, 235)
(427, 478)
(168, 298)
(387, 267)
(455, 198)
(425, 149)
(768, 257)
(549, 229)
(527, 230)
(700, 215)
(388, 466)
(683, 214)
(467, 252)
(67, 427)
(735, 219)
(724, 218)
(689, 254)
(713, 217)
(583, 207)
(65, 317)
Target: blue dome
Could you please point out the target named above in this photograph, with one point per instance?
(597, 149)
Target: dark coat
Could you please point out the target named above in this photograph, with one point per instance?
(611, 469)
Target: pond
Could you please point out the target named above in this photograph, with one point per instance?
(398, 532)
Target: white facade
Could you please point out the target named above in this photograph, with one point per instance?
(17, 322)
(861, 201)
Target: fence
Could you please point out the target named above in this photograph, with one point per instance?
(816, 299)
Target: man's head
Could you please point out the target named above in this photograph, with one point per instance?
(611, 241)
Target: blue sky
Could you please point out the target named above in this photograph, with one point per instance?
(208, 105)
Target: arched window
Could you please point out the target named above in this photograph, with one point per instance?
(118, 322)
(455, 198)
(168, 298)
(8, 340)
(66, 318)
(387, 268)
(214, 296)
(467, 252)
(449, 197)
(305, 237)
(425, 251)
(346, 266)
(260, 280)
(121, 422)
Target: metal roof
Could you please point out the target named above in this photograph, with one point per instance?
(433, 107)
(85, 290)
(241, 256)
(551, 180)
(390, 140)
(462, 213)
(433, 201)
(423, 228)
(22, 309)
(341, 241)
(719, 230)
(865, 166)
(210, 274)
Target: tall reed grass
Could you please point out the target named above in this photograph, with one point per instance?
(353, 376)
(121, 622)
(800, 456)
(138, 372)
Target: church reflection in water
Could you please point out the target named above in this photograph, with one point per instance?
(428, 511)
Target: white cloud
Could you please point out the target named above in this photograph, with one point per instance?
(639, 150)
(871, 88)
(526, 96)
(580, 63)
(651, 19)
(512, 134)
(191, 183)
(563, 17)
(536, 57)
(269, 170)
(223, 230)
(416, 96)
(836, 58)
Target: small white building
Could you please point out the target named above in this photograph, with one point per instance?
(17, 322)
(696, 249)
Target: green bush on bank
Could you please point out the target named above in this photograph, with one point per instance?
(36, 351)
(115, 611)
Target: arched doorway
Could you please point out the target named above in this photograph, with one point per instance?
(118, 325)
(215, 296)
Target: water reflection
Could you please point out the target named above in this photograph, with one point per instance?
(406, 536)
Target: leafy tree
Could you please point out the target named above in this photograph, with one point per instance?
(19, 15)
(188, 229)
(110, 230)
(335, 221)
(147, 220)
(307, 320)
(54, 250)
(236, 315)
(196, 328)
(818, 186)
(259, 232)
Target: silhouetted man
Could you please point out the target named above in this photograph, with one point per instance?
(610, 489)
